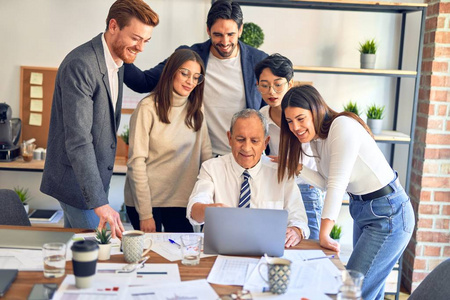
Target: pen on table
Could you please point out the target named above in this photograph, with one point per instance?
(314, 258)
(152, 273)
(173, 242)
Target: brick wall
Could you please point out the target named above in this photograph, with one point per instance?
(430, 175)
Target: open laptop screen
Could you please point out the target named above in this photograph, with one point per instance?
(244, 231)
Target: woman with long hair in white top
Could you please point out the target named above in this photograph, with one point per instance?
(348, 160)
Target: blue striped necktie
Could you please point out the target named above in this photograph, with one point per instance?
(244, 198)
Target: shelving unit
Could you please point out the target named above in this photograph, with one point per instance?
(390, 137)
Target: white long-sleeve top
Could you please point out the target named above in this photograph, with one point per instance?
(220, 181)
(348, 160)
(274, 143)
(164, 158)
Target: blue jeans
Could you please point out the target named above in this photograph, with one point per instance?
(382, 229)
(312, 199)
(79, 218)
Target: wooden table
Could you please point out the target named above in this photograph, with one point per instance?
(23, 284)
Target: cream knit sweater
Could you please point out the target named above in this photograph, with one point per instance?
(164, 159)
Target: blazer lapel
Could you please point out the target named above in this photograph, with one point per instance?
(98, 48)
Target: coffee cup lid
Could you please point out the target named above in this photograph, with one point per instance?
(84, 246)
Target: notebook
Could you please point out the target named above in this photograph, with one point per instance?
(31, 239)
(7, 276)
(43, 215)
(244, 231)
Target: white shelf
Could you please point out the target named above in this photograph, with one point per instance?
(390, 136)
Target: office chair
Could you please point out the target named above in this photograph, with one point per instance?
(436, 286)
(12, 211)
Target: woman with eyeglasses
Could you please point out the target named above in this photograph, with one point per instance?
(274, 77)
(348, 160)
(167, 144)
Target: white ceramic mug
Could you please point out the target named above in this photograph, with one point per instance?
(133, 245)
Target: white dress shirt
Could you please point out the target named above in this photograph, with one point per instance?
(113, 70)
(348, 160)
(220, 181)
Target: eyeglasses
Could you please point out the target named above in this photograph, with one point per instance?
(239, 295)
(277, 87)
(197, 78)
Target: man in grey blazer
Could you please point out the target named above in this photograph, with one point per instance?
(85, 117)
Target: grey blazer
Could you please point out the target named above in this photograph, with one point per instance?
(82, 138)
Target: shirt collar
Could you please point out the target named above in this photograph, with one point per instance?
(238, 170)
(110, 63)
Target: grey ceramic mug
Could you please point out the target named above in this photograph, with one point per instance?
(279, 272)
(133, 242)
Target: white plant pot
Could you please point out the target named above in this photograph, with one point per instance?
(104, 251)
(27, 208)
(375, 125)
(367, 61)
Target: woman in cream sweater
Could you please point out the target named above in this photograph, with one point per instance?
(168, 143)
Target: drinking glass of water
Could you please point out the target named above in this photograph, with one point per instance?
(191, 246)
(54, 259)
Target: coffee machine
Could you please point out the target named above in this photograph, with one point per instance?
(10, 129)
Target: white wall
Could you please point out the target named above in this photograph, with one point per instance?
(41, 33)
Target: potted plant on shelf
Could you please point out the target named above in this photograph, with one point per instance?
(252, 35)
(368, 49)
(352, 107)
(103, 238)
(375, 118)
(124, 136)
(336, 232)
(24, 197)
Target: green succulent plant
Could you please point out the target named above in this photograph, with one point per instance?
(352, 107)
(336, 232)
(375, 112)
(23, 194)
(252, 35)
(125, 134)
(368, 47)
(103, 236)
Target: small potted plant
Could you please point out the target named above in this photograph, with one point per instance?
(336, 232)
(103, 238)
(252, 35)
(24, 197)
(352, 107)
(375, 118)
(124, 136)
(368, 49)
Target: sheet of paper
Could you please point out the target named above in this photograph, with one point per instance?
(321, 273)
(36, 78)
(231, 270)
(194, 289)
(310, 293)
(149, 274)
(24, 260)
(35, 119)
(36, 105)
(104, 287)
(36, 92)
(166, 249)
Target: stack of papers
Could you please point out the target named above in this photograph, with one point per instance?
(321, 274)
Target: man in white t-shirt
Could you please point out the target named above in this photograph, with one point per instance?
(230, 84)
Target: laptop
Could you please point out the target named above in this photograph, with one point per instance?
(243, 231)
(31, 239)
